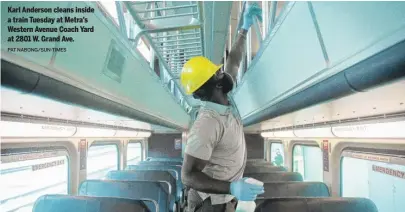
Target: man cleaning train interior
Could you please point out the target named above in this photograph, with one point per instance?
(215, 154)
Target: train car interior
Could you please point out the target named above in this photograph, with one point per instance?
(104, 126)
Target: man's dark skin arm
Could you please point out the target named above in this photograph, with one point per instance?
(236, 55)
(193, 177)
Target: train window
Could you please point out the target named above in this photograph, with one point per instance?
(134, 153)
(307, 160)
(101, 159)
(377, 177)
(277, 154)
(28, 176)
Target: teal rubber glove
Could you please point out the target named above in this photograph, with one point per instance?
(244, 191)
(251, 10)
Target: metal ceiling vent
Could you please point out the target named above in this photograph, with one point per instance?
(115, 62)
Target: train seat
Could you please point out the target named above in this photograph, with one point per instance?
(263, 169)
(150, 175)
(258, 162)
(178, 163)
(130, 190)
(66, 203)
(275, 176)
(301, 204)
(173, 169)
(293, 189)
(165, 159)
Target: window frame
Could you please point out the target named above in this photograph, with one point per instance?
(302, 143)
(275, 142)
(116, 143)
(14, 154)
(369, 151)
(59, 150)
(126, 150)
(291, 146)
(372, 145)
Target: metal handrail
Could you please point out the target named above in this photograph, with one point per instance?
(178, 40)
(198, 48)
(143, 2)
(200, 17)
(184, 34)
(273, 10)
(169, 16)
(121, 19)
(183, 44)
(257, 29)
(167, 8)
(145, 32)
(170, 51)
(174, 28)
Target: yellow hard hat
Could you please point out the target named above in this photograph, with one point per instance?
(196, 72)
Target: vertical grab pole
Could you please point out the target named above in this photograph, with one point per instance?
(242, 7)
(273, 10)
(152, 52)
(257, 29)
(248, 48)
(121, 19)
(162, 72)
(265, 24)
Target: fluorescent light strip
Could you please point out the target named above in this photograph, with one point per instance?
(284, 134)
(144, 134)
(93, 132)
(394, 129)
(376, 130)
(132, 134)
(21, 129)
(324, 132)
(267, 134)
(121, 133)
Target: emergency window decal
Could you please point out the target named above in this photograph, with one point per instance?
(37, 167)
(389, 171)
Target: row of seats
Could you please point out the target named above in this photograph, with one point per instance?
(66, 203)
(286, 192)
(155, 185)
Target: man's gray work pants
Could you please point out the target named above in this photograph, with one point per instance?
(196, 204)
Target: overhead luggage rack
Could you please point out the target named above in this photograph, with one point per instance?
(173, 30)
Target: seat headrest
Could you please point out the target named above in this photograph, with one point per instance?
(67, 203)
(317, 205)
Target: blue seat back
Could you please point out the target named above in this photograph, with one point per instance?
(264, 169)
(254, 162)
(161, 163)
(173, 169)
(301, 204)
(165, 159)
(275, 176)
(136, 190)
(294, 189)
(149, 175)
(66, 203)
